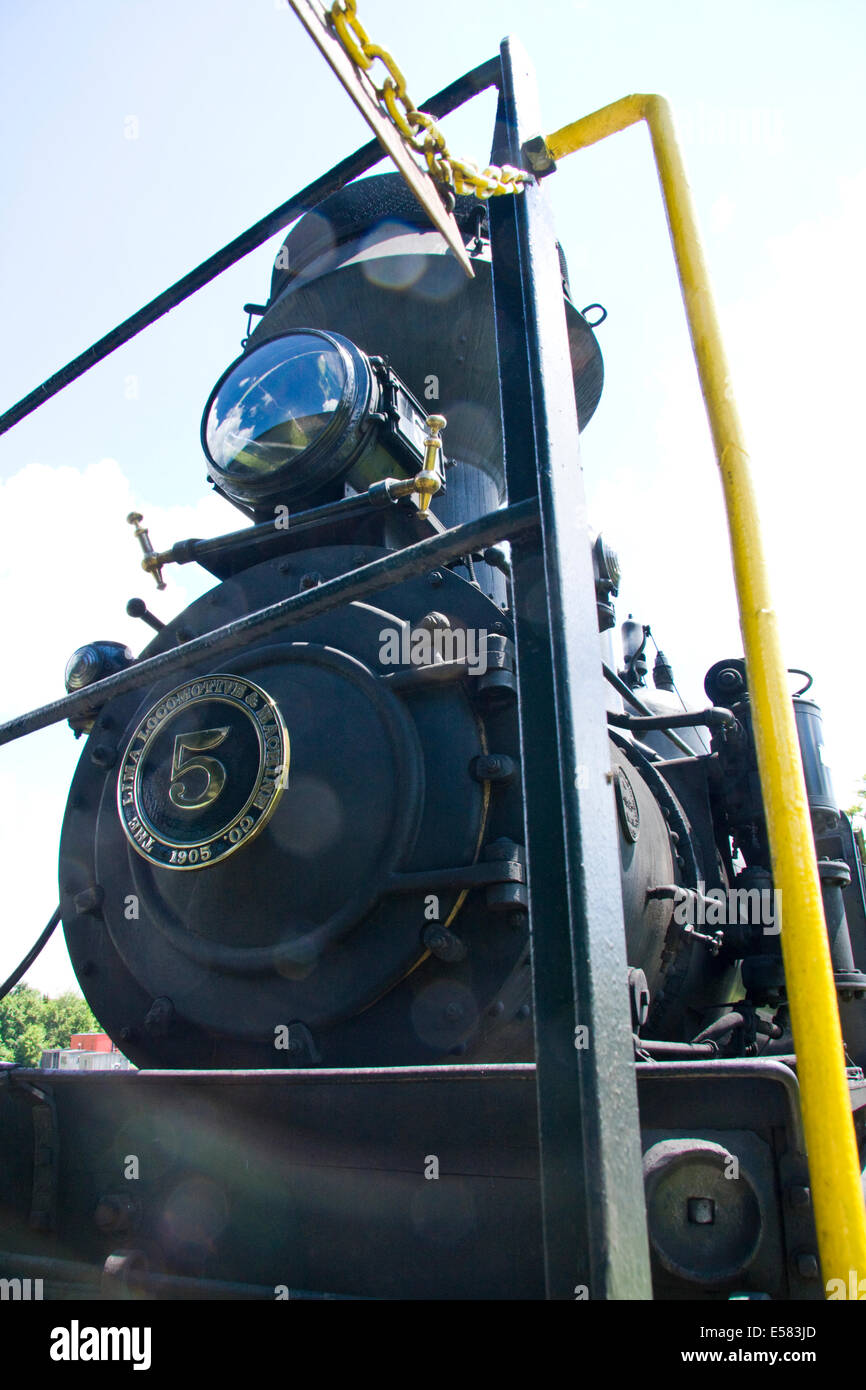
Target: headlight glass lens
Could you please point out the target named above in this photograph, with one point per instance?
(275, 403)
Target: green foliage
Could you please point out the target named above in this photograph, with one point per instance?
(31, 1022)
(859, 807)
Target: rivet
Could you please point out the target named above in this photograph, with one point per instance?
(89, 899)
(104, 756)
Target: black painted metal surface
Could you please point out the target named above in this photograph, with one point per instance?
(425, 1188)
(592, 1191)
(242, 1189)
(320, 919)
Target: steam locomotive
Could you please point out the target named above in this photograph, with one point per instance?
(306, 860)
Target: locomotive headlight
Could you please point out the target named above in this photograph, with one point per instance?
(303, 412)
(89, 664)
(608, 570)
(605, 564)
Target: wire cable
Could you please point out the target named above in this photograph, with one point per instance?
(28, 960)
(698, 733)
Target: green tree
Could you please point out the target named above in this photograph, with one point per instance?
(859, 807)
(30, 1022)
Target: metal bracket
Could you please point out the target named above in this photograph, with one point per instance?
(483, 875)
(46, 1159)
(538, 156)
(693, 901)
(362, 92)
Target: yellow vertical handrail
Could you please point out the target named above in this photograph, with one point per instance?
(834, 1168)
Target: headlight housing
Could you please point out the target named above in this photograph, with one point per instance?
(302, 412)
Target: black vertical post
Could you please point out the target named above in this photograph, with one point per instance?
(593, 1209)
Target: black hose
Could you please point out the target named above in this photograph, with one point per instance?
(622, 689)
(684, 719)
(726, 1024)
(28, 960)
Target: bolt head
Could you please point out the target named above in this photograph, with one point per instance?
(89, 899)
(104, 756)
(701, 1211)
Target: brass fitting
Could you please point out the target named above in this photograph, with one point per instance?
(152, 562)
(428, 482)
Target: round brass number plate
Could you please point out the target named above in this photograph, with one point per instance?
(203, 772)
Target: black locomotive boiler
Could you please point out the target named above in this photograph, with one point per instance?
(320, 842)
(294, 878)
(359, 881)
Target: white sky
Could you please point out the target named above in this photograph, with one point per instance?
(232, 110)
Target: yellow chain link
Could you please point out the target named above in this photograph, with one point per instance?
(418, 129)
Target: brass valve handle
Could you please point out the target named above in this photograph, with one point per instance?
(152, 563)
(429, 481)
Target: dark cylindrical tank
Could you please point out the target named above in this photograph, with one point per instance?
(367, 264)
(819, 785)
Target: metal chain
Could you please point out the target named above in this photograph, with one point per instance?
(419, 130)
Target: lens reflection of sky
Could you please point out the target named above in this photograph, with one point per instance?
(275, 404)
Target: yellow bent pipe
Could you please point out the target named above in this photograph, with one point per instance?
(834, 1167)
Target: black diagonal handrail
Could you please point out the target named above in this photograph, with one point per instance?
(454, 95)
(356, 584)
